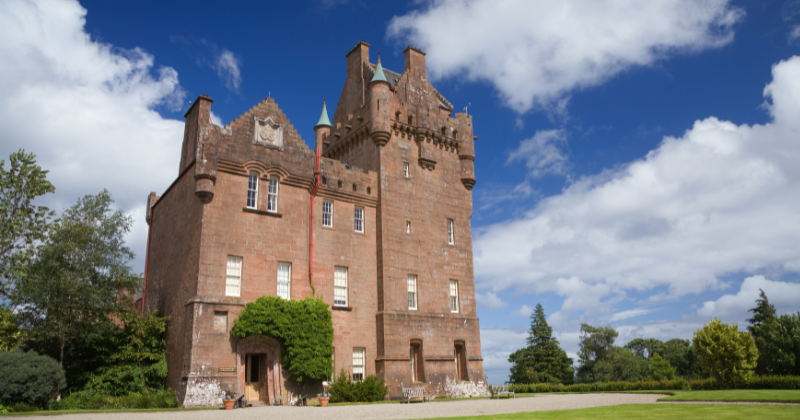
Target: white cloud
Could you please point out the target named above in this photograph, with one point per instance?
(734, 308)
(489, 301)
(227, 66)
(720, 199)
(215, 119)
(542, 153)
(632, 313)
(496, 345)
(536, 52)
(85, 108)
(795, 33)
(524, 311)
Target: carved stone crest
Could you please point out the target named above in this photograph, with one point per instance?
(268, 133)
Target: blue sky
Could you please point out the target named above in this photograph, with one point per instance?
(636, 161)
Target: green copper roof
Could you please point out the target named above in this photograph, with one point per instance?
(379, 76)
(323, 119)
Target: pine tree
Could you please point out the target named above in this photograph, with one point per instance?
(542, 360)
(763, 313)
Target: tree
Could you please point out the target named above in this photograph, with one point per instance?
(542, 360)
(620, 364)
(22, 224)
(80, 275)
(595, 343)
(777, 339)
(645, 347)
(10, 334)
(29, 378)
(727, 353)
(660, 369)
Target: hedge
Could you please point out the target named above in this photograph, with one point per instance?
(89, 400)
(304, 328)
(755, 382)
(371, 389)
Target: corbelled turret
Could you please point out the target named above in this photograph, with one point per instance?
(379, 106)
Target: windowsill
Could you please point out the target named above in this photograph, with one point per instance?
(328, 227)
(261, 212)
(360, 233)
(342, 308)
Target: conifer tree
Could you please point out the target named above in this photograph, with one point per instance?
(777, 339)
(542, 360)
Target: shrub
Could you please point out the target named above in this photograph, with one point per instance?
(27, 377)
(303, 328)
(90, 400)
(371, 389)
(727, 353)
(660, 369)
(773, 382)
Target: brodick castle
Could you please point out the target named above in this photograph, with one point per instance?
(377, 218)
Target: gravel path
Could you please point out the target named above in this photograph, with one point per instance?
(391, 411)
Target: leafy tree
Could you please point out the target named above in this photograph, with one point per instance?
(645, 347)
(10, 334)
(595, 343)
(660, 369)
(777, 339)
(80, 274)
(542, 360)
(727, 353)
(677, 352)
(30, 378)
(22, 224)
(139, 364)
(620, 364)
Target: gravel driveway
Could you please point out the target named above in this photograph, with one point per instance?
(391, 411)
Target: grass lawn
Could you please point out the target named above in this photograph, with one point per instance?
(770, 395)
(121, 410)
(657, 411)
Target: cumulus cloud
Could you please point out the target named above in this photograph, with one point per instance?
(720, 199)
(489, 301)
(524, 311)
(632, 313)
(542, 153)
(733, 308)
(496, 345)
(536, 52)
(86, 109)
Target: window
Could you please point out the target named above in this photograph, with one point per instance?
(284, 280)
(340, 286)
(412, 291)
(233, 282)
(450, 236)
(252, 190)
(453, 295)
(327, 213)
(359, 219)
(405, 169)
(220, 321)
(272, 202)
(358, 363)
(408, 226)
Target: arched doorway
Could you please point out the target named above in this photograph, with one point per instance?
(259, 367)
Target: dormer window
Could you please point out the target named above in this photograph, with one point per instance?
(252, 190)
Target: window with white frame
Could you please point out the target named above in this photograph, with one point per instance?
(233, 281)
(408, 226)
(284, 280)
(340, 286)
(358, 363)
(272, 200)
(252, 190)
(411, 282)
(359, 219)
(453, 295)
(327, 213)
(450, 235)
(405, 169)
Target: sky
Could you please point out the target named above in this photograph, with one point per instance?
(638, 163)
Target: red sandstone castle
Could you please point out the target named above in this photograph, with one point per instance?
(377, 218)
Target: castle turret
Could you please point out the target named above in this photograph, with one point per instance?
(379, 106)
(323, 128)
(466, 152)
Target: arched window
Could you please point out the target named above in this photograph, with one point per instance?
(252, 190)
(272, 201)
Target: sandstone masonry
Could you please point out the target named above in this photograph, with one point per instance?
(390, 194)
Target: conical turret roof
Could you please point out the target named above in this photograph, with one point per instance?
(379, 76)
(323, 119)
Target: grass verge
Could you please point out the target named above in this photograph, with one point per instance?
(121, 410)
(755, 395)
(656, 411)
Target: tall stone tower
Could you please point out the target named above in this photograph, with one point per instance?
(399, 126)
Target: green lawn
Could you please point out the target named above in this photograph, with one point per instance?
(657, 411)
(772, 395)
(121, 410)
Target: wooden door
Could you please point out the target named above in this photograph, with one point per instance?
(253, 382)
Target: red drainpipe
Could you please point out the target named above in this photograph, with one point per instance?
(147, 256)
(311, 226)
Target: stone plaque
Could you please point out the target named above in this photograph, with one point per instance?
(226, 369)
(268, 133)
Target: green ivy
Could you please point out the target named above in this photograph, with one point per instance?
(304, 329)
